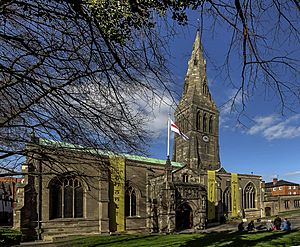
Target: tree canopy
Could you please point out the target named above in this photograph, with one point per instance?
(77, 71)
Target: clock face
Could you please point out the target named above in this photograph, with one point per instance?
(205, 138)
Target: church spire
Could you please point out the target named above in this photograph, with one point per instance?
(195, 83)
(198, 117)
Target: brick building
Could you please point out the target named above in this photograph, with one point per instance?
(282, 188)
(281, 196)
(8, 187)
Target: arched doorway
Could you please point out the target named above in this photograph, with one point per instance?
(267, 211)
(184, 217)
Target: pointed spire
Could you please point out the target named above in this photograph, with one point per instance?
(195, 83)
(197, 57)
(197, 48)
(196, 73)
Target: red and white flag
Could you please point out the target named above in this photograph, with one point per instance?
(177, 130)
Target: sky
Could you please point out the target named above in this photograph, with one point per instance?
(262, 141)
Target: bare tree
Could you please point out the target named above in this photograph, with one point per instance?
(71, 71)
(265, 39)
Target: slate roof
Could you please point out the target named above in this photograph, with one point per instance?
(51, 143)
(280, 183)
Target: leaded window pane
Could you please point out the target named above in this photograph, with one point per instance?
(133, 203)
(127, 204)
(68, 201)
(78, 202)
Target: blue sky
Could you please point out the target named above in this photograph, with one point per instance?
(267, 143)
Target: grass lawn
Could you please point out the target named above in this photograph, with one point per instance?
(290, 213)
(212, 239)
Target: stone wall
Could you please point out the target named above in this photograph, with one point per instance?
(279, 204)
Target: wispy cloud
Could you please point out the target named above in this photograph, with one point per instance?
(295, 173)
(229, 109)
(273, 127)
(156, 109)
(158, 115)
(234, 101)
(262, 124)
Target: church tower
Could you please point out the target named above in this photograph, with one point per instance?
(198, 117)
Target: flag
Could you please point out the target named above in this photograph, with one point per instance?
(175, 129)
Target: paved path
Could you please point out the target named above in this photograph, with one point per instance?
(232, 227)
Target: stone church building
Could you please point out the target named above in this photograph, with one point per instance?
(90, 191)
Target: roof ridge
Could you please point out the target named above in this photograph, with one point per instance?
(47, 142)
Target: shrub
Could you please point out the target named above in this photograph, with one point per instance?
(9, 236)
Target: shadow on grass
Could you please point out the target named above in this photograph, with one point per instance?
(243, 239)
(126, 239)
(225, 238)
(108, 240)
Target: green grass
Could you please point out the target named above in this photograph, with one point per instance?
(264, 239)
(290, 213)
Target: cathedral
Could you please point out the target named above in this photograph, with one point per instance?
(93, 191)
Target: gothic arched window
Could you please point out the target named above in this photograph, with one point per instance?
(204, 89)
(185, 125)
(198, 121)
(204, 122)
(65, 198)
(210, 124)
(249, 196)
(227, 200)
(203, 202)
(130, 202)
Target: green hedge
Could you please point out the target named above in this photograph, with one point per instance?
(9, 237)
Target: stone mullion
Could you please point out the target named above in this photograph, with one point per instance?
(63, 201)
(130, 213)
(73, 198)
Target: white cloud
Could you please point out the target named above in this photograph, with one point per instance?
(151, 107)
(158, 116)
(295, 173)
(273, 127)
(262, 123)
(156, 109)
(234, 101)
(229, 109)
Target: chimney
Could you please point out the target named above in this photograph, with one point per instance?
(275, 180)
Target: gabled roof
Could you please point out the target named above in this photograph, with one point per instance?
(221, 170)
(279, 183)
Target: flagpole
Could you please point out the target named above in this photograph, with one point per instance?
(168, 144)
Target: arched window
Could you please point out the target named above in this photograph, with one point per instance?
(204, 89)
(203, 202)
(185, 178)
(210, 124)
(198, 121)
(66, 198)
(204, 122)
(185, 125)
(249, 196)
(227, 200)
(130, 202)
